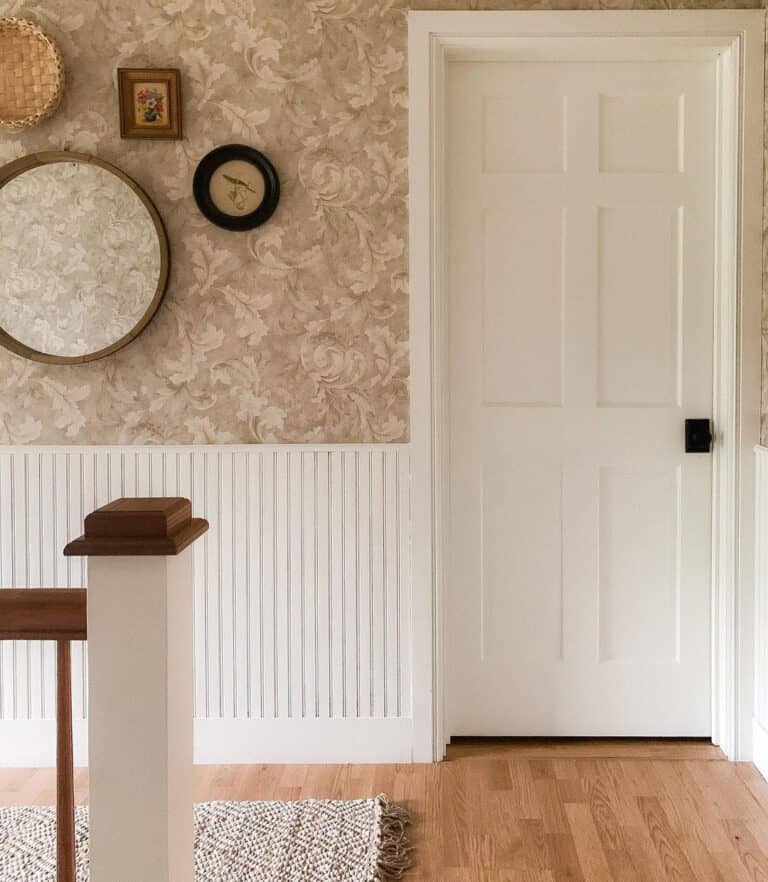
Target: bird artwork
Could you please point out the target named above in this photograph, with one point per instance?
(237, 194)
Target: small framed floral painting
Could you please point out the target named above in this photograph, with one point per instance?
(150, 103)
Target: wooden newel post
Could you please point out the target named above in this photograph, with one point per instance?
(140, 694)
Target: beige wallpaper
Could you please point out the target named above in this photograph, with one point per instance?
(297, 331)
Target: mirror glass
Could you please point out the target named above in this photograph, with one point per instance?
(83, 259)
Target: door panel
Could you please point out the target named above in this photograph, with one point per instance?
(638, 591)
(640, 286)
(579, 228)
(525, 503)
(522, 344)
(641, 132)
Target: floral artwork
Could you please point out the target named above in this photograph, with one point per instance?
(150, 104)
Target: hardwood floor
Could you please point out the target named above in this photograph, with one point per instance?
(531, 811)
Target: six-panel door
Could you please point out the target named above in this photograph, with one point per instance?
(580, 217)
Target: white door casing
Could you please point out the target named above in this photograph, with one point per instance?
(579, 277)
(734, 41)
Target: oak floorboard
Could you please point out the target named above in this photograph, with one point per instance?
(674, 863)
(530, 811)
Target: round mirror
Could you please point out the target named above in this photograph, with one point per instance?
(83, 258)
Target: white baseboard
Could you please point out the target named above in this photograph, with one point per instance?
(29, 744)
(32, 743)
(760, 748)
(351, 740)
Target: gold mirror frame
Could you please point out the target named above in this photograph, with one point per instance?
(35, 160)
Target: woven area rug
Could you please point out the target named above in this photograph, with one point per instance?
(309, 841)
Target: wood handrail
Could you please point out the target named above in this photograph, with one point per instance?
(42, 614)
(53, 614)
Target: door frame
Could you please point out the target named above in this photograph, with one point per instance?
(736, 39)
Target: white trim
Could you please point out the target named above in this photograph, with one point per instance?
(32, 743)
(361, 740)
(760, 748)
(216, 449)
(747, 379)
(737, 38)
(760, 716)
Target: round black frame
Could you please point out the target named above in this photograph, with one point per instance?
(201, 187)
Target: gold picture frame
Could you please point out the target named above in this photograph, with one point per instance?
(150, 103)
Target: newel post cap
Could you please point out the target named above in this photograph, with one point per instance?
(140, 526)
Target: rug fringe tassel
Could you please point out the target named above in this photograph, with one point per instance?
(393, 845)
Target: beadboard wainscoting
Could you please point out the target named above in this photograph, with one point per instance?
(302, 593)
(760, 721)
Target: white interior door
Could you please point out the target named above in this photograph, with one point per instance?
(580, 223)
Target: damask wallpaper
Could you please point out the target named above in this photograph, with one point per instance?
(297, 331)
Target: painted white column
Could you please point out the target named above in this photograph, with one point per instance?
(140, 703)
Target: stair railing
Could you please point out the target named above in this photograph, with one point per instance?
(140, 687)
(53, 614)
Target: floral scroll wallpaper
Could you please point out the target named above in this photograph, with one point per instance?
(296, 331)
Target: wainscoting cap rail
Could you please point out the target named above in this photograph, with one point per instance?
(139, 526)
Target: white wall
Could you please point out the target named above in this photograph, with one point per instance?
(302, 593)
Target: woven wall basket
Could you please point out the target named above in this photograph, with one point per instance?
(31, 74)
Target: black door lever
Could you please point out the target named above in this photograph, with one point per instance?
(698, 436)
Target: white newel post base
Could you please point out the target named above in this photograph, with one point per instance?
(140, 696)
(140, 712)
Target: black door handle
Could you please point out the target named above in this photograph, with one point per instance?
(698, 436)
